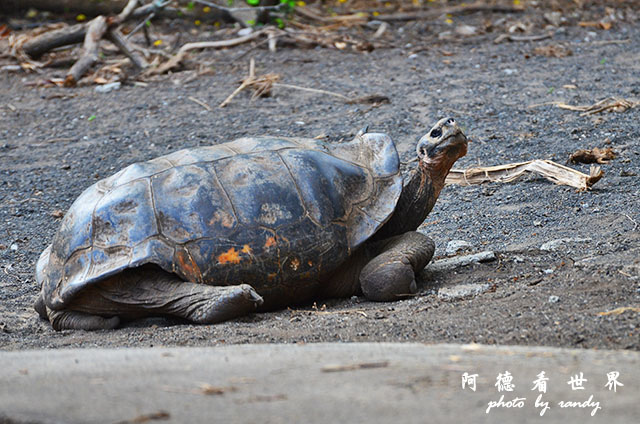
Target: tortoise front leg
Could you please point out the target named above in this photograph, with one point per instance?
(391, 274)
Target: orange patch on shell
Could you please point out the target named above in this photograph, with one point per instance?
(295, 264)
(188, 266)
(231, 255)
(246, 249)
(271, 241)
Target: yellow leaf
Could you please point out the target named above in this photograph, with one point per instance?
(81, 17)
(301, 4)
(449, 21)
(197, 22)
(157, 43)
(206, 9)
(516, 2)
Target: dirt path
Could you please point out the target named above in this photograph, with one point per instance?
(55, 142)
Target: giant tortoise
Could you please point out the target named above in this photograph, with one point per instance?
(212, 233)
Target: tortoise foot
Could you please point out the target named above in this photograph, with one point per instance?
(72, 320)
(217, 304)
(391, 274)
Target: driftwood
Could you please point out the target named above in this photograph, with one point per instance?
(555, 172)
(95, 30)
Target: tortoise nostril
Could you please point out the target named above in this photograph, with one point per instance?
(450, 121)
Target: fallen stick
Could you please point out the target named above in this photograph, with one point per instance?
(200, 102)
(95, 30)
(510, 37)
(313, 90)
(555, 172)
(618, 105)
(123, 45)
(178, 57)
(54, 39)
(449, 264)
(127, 11)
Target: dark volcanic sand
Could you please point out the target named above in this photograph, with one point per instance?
(50, 151)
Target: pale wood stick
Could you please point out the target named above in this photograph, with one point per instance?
(95, 30)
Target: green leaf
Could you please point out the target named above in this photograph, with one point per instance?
(91, 118)
(603, 61)
(253, 2)
(191, 5)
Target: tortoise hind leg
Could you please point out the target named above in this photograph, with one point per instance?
(150, 291)
(63, 320)
(391, 274)
(73, 320)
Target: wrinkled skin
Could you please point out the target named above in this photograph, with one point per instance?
(382, 268)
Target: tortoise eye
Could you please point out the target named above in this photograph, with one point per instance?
(435, 133)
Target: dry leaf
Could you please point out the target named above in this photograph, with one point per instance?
(552, 51)
(620, 310)
(57, 213)
(595, 155)
(208, 389)
(555, 172)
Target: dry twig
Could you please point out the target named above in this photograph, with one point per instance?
(175, 60)
(613, 103)
(262, 84)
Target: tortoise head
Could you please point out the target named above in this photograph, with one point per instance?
(444, 143)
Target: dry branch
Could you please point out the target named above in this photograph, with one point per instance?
(53, 39)
(95, 30)
(555, 172)
(121, 43)
(175, 60)
(617, 105)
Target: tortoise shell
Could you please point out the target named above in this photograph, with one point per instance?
(263, 211)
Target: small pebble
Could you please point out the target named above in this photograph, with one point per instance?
(554, 299)
(14, 247)
(548, 271)
(105, 88)
(455, 246)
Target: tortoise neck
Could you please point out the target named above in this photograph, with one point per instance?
(419, 194)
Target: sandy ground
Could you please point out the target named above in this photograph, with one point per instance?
(50, 150)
